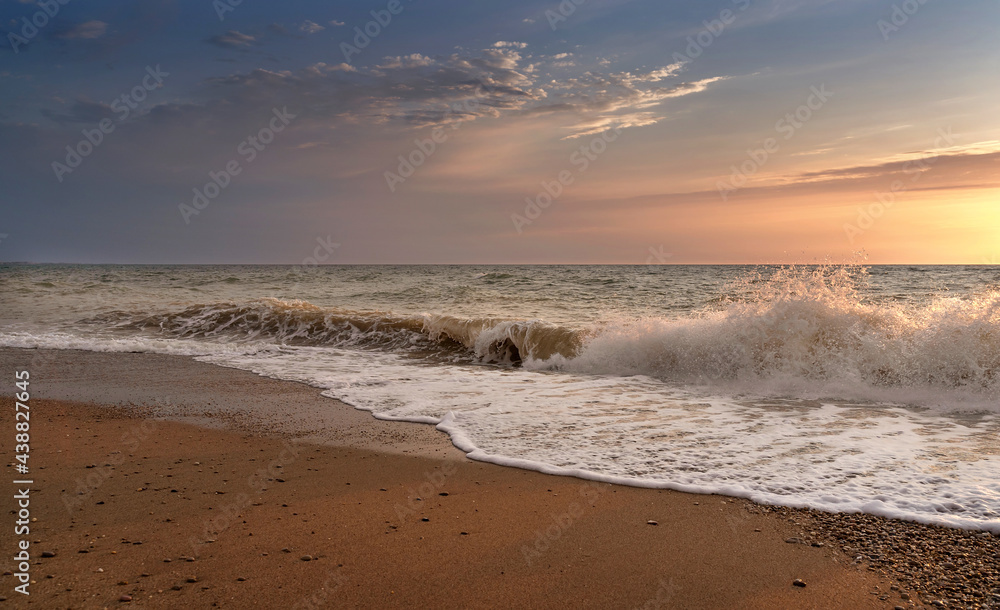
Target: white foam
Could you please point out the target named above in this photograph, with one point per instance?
(639, 431)
(809, 334)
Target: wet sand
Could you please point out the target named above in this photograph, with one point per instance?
(182, 484)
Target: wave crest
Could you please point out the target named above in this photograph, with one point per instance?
(301, 323)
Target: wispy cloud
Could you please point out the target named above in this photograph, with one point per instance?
(420, 90)
(310, 27)
(232, 40)
(975, 161)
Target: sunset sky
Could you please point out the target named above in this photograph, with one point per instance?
(737, 131)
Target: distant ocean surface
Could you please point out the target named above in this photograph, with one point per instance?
(842, 388)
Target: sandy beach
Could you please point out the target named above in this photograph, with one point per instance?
(165, 482)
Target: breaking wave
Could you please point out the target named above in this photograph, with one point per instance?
(300, 323)
(812, 328)
(796, 329)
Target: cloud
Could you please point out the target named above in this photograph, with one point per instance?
(620, 100)
(232, 40)
(666, 71)
(336, 23)
(414, 60)
(87, 30)
(968, 156)
(385, 101)
(604, 123)
(417, 90)
(500, 44)
(563, 60)
(310, 28)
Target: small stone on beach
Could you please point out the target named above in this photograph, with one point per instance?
(798, 582)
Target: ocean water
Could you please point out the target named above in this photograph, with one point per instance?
(842, 388)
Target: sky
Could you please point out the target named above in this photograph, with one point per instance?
(426, 131)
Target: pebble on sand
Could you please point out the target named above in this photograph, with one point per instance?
(125, 598)
(798, 582)
(651, 522)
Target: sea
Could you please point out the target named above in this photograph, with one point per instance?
(844, 388)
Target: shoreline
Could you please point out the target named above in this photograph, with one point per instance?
(546, 538)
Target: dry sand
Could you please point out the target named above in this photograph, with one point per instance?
(238, 512)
